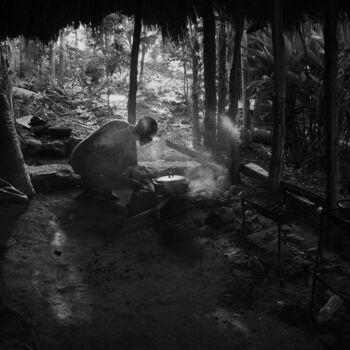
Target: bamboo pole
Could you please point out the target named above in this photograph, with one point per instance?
(133, 69)
(330, 85)
(209, 58)
(280, 96)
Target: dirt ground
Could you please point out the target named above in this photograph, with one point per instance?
(84, 284)
(82, 281)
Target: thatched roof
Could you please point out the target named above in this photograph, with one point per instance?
(44, 18)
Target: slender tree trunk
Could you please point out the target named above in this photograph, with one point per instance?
(235, 81)
(244, 74)
(62, 58)
(209, 80)
(222, 85)
(196, 136)
(133, 70)
(21, 57)
(330, 85)
(108, 93)
(52, 61)
(185, 82)
(143, 54)
(76, 38)
(12, 167)
(280, 96)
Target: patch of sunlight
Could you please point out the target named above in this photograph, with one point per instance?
(61, 308)
(59, 239)
(228, 319)
(115, 98)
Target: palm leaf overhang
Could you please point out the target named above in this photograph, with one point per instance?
(43, 19)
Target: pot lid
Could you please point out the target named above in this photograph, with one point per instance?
(171, 178)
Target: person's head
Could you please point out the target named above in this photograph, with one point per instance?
(145, 129)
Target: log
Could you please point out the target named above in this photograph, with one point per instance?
(143, 218)
(25, 94)
(259, 174)
(200, 157)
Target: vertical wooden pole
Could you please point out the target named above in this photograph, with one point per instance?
(222, 85)
(235, 82)
(280, 96)
(209, 55)
(135, 48)
(330, 86)
(331, 112)
(196, 135)
(244, 77)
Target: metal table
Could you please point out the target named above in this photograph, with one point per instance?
(280, 206)
(340, 218)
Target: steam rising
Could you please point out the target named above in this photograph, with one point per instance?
(231, 129)
(203, 180)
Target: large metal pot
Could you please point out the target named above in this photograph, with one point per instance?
(171, 185)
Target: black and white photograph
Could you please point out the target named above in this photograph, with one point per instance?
(175, 175)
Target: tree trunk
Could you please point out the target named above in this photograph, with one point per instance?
(12, 168)
(76, 38)
(52, 61)
(209, 80)
(196, 136)
(184, 63)
(244, 74)
(222, 86)
(22, 46)
(330, 86)
(133, 70)
(280, 96)
(143, 54)
(62, 58)
(235, 81)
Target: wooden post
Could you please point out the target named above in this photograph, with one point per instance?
(196, 136)
(331, 113)
(235, 82)
(222, 86)
(62, 58)
(209, 53)
(133, 69)
(280, 96)
(244, 75)
(330, 102)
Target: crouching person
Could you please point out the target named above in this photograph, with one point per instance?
(104, 157)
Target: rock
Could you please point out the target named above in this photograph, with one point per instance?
(255, 265)
(55, 149)
(32, 147)
(328, 340)
(52, 177)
